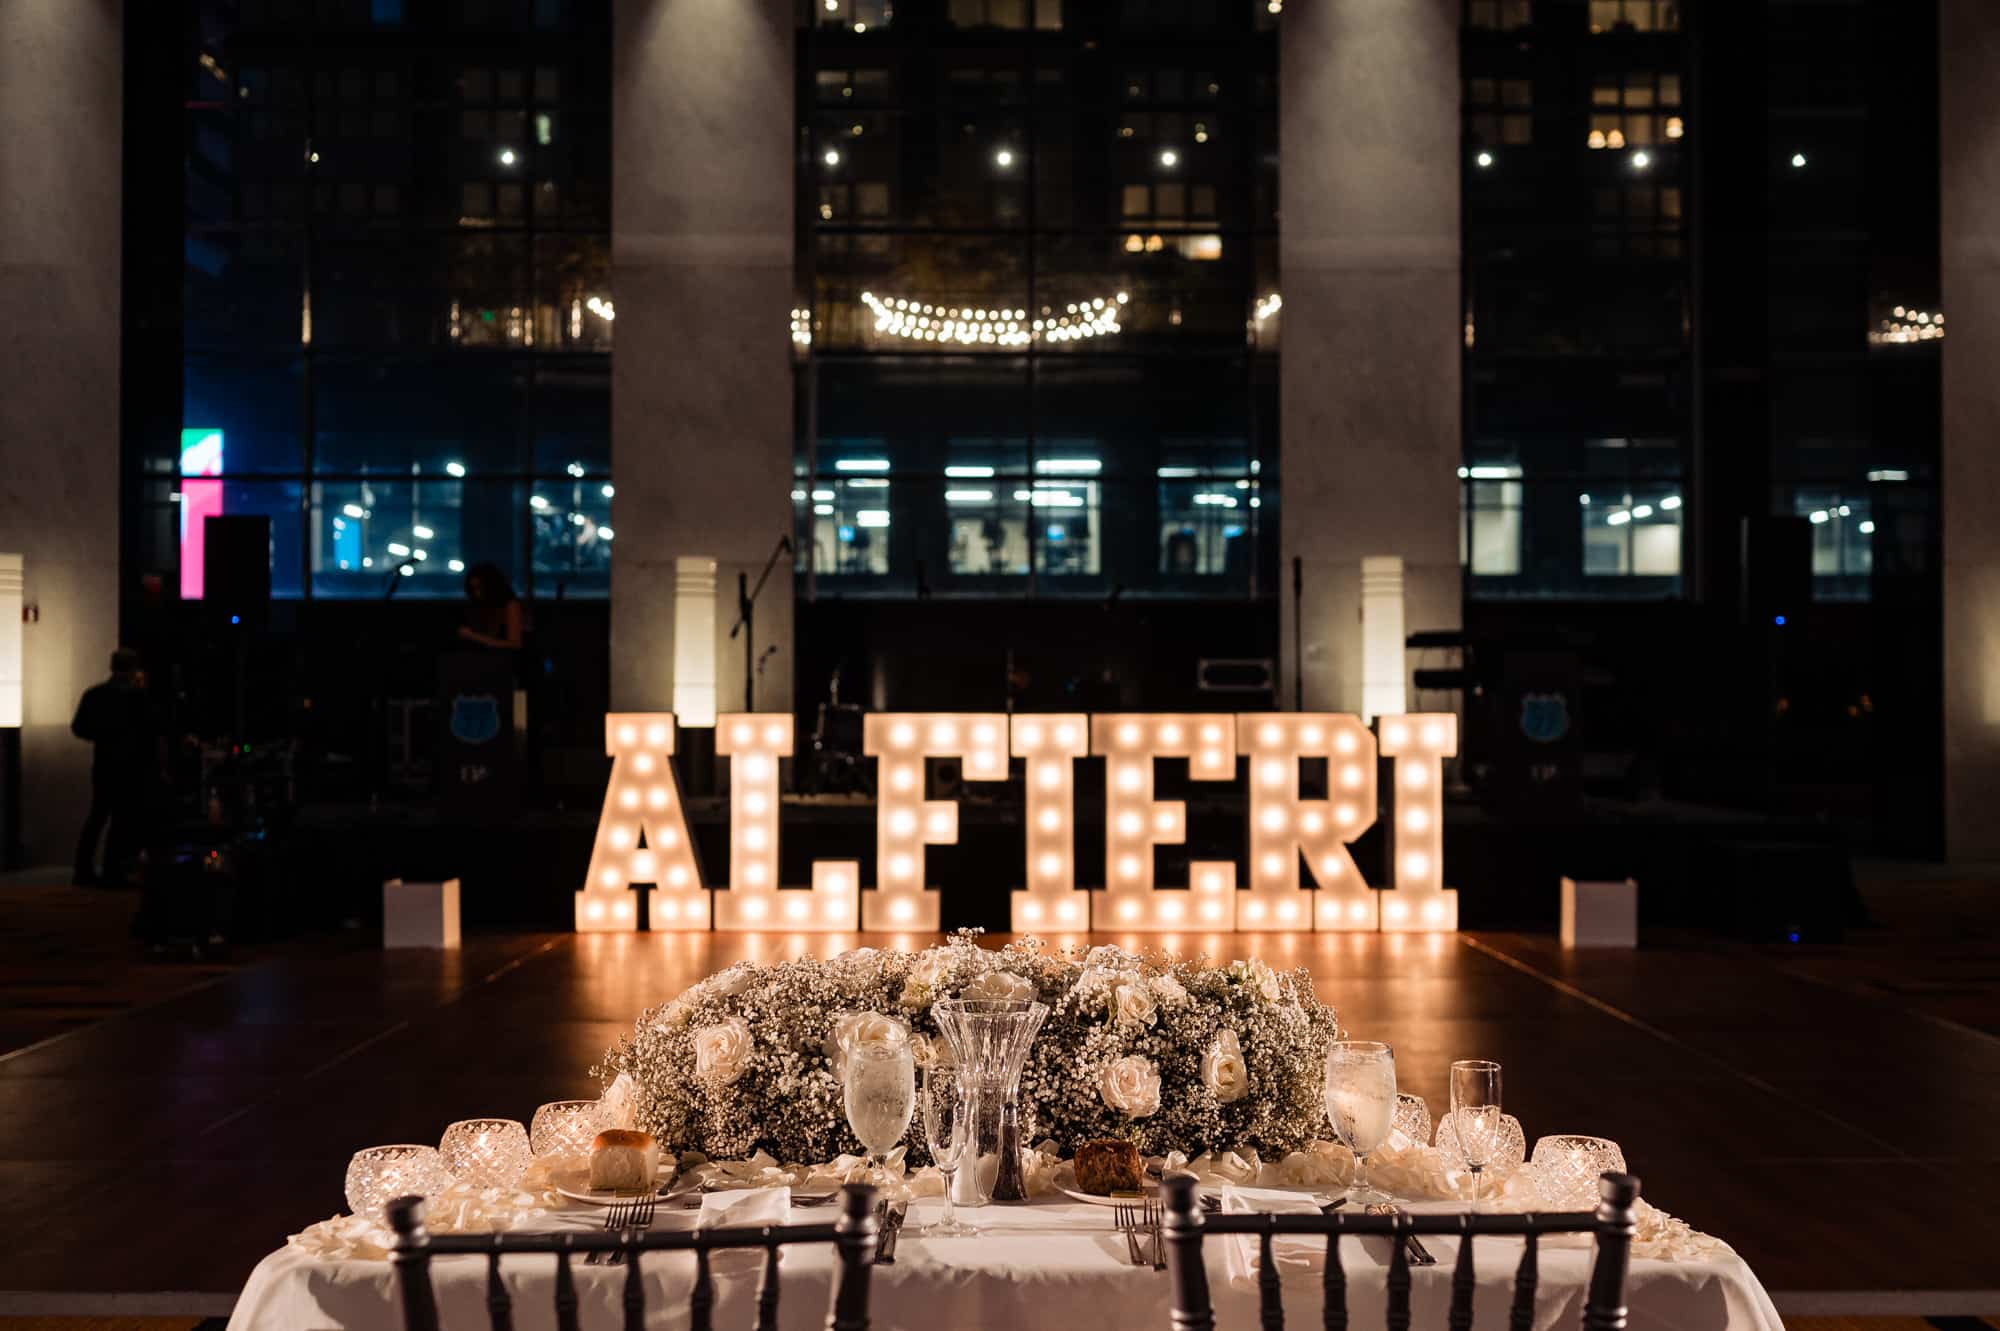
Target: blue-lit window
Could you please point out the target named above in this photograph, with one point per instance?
(397, 306)
(1843, 539)
(1572, 519)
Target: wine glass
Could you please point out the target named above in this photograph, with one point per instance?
(1361, 1104)
(948, 1134)
(1476, 1115)
(881, 1093)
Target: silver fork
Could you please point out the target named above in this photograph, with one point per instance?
(1127, 1221)
(1419, 1254)
(613, 1220)
(640, 1218)
(1155, 1219)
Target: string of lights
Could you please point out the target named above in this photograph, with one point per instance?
(921, 321)
(1907, 325)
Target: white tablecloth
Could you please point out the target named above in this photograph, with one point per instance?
(1039, 1264)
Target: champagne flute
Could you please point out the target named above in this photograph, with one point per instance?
(1361, 1104)
(880, 1085)
(948, 1134)
(1475, 1116)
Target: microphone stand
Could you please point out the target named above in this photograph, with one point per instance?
(746, 610)
(1298, 635)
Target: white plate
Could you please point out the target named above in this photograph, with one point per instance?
(575, 1185)
(1123, 1199)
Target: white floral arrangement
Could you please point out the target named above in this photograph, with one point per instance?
(1171, 1055)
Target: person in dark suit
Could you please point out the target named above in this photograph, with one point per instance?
(117, 718)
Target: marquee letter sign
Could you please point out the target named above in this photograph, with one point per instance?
(1051, 745)
(906, 822)
(1134, 822)
(642, 836)
(1282, 826)
(1419, 744)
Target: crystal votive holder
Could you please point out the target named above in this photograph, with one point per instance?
(1413, 1119)
(1566, 1169)
(565, 1129)
(1510, 1145)
(486, 1152)
(380, 1174)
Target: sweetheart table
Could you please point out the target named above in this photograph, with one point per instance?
(1045, 1263)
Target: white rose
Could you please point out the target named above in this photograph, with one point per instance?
(1132, 1084)
(729, 983)
(924, 977)
(1169, 990)
(1259, 977)
(863, 963)
(852, 1030)
(618, 1106)
(928, 1053)
(675, 1016)
(1223, 1070)
(1320, 1165)
(722, 1051)
(1132, 999)
(1000, 986)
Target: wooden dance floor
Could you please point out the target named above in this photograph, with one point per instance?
(1846, 1143)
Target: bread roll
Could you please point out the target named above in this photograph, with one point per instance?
(623, 1161)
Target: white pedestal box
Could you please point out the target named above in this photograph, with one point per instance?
(420, 914)
(1600, 914)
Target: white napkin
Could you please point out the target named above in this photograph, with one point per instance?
(1292, 1253)
(734, 1207)
(744, 1206)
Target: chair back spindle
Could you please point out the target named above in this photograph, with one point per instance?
(1604, 1310)
(1270, 1295)
(499, 1305)
(1460, 1317)
(635, 1291)
(565, 1293)
(1522, 1316)
(767, 1292)
(1333, 1287)
(1191, 1308)
(701, 1304)
(411, 1262)
(852, 1237)
(1399, 1274)
(1612, 1225)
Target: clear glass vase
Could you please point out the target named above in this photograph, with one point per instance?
(989, 1040)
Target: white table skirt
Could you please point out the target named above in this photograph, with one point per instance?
(1038, 1265)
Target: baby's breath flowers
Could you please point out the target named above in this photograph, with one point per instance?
(1173, 1055)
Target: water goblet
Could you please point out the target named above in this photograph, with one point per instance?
(565, 1129)
(880, 1093)
(1476, 1116)
(1360, 1090)
(947, 1109)
(380, 1174)
(486, 1152)
(1567, 1167)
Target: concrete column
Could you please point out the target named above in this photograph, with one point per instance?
(61, 98)
(1969, 474)
(1369, 268)
(701, 388)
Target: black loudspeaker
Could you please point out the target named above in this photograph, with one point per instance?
(236, 571)
(1787, 892)
(1777, 567)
